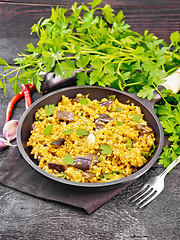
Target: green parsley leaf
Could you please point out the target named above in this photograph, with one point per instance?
(83, 101)
(68, 160)
(106, 176)
(129, 143)
(101, 158)
(118, 123)
(106, 149)
(48, 129)
(119, 171)
(49, 109)
(69, 131)
(82, 132)
(61, 175)
(111, 97)
(136, 117)
(147, 91)
(119, 109)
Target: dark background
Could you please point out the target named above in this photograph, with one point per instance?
(26, 217)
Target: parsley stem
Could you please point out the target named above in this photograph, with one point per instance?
(79, 40)
(93, 37)
(156, 88)
(16, 70)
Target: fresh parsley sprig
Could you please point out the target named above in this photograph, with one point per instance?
(102, 48)
(169, 116)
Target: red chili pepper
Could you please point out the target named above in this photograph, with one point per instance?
(31, 86)
(14, 100)
(27, 95)
(11, 104)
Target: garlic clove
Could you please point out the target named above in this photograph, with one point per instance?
(10, 130)
(3, 143)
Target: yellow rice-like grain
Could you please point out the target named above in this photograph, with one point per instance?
(118, 164)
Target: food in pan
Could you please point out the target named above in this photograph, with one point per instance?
(85, 140)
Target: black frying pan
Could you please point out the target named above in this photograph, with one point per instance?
(94, 92)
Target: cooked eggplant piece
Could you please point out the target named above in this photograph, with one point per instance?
(31, 128)
(99, 125)
(103, 118)
(83, 163)
(56, 166)
(143, 128)
(95, 158)
(59, 142)
(65, 115)
(106, 103)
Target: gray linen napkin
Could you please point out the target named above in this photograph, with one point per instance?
(16, 173)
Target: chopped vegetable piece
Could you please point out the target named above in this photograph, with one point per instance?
(106, 175)
(56, 166)
(95, 157)
(129, 143)
(119, 109)
(73, 100)
(119, 171)
(106, 103)
(144, 128)
(69, 131)
(106, 149)
(91, 138)
(82, 132)
(61, 175)
(118, 123)
(103, 118)
(101, 158)
(31, 128)
(49, 109)
(83, 101)
(99, 125)
(112, 97)
(48, 129)
(136, 117)
(68, 159)
(65, 115)
(59, 142)
(83, 163)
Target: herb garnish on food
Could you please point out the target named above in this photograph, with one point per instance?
(69, 131)
(106, 149)
(68, 159)
(49, 109)
(82, 132)
(47, 130)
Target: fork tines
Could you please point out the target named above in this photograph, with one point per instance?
(144, 196)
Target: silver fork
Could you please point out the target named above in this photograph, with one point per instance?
(153, 187)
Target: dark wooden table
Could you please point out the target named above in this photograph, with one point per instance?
(26, 217)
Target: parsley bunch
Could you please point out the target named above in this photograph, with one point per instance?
(169, 116)
(95, 41)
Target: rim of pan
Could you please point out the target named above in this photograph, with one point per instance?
(124, 180)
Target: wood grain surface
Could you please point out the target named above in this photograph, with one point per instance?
(26, 217)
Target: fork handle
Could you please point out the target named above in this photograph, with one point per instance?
(170, 167)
